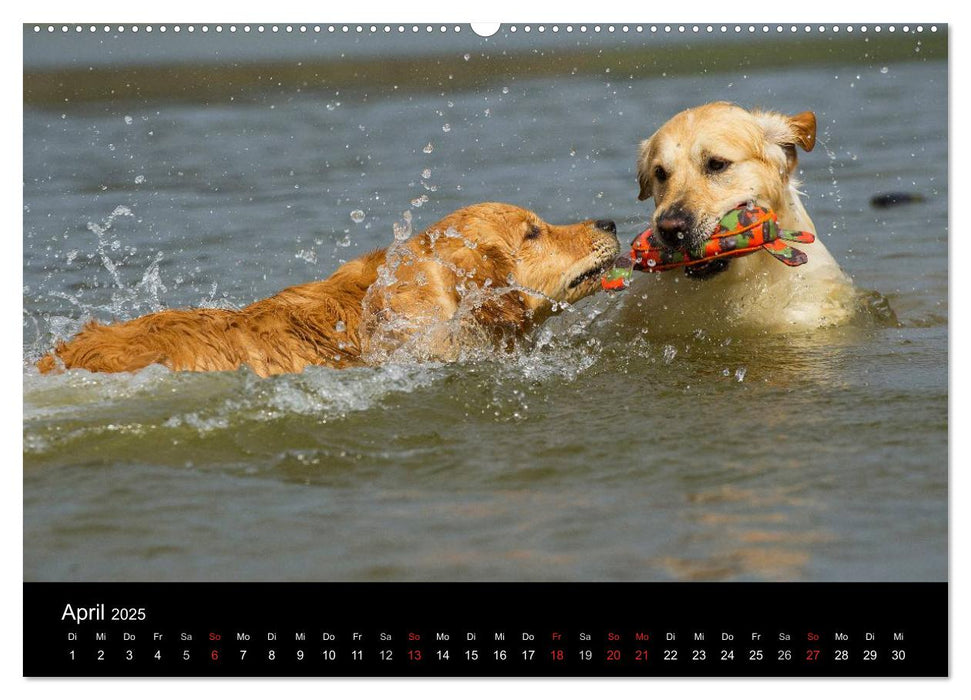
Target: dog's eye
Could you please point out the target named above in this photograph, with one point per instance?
(533, 233)
(660, 174)
(716, 165)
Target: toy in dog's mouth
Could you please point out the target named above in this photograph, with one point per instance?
(744, 230)
(604, 256)
(595, 272)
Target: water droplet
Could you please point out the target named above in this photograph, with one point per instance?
(418, 201)
(128, 120)
(139, 179)
(740, 374)
(651, 263)
(309, 256)
(331, 106)
(725, 372)
(357, 216)
(884, 70)
(402, 231)
(340, 326)
(446, 127)
(428, 149)
(426, 173)
(467, 56)
(505, 91)
(680, 236)
(670, 352)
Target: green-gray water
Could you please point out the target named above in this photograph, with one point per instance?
(603, 453)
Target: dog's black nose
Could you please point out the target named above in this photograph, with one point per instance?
(673, 227)
(606, 225)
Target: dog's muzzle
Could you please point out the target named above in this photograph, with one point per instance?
(673, 226)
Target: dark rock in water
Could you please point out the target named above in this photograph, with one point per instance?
(893, 199)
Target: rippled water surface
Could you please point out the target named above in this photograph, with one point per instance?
(600, 453)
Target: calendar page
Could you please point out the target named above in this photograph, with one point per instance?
(516, 350)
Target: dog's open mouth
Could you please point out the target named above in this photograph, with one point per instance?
(593, 273)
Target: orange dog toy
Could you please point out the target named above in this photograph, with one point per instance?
(742, 231)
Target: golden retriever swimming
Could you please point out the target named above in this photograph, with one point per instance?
(704, 162)
(500, 265)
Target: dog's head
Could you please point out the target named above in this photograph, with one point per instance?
(488, 271)
(708, 160)
(511, 246)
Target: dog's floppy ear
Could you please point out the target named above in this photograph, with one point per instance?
(789, 132)
(643, 174)
(499, 313)
(804, 129)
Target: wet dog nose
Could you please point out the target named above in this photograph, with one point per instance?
(606, 225)
(672, 227)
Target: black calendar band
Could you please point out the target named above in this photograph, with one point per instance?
(478, 629)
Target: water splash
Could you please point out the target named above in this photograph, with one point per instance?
(832, 159)
(104, 243)
(126, 299)
(402, 231)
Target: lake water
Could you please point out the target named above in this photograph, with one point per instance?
(603, 453)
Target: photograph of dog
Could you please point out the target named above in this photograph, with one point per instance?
(519, 264)
(705, 161)
(447, 388)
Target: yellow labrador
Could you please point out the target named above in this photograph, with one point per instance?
(697, 166)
